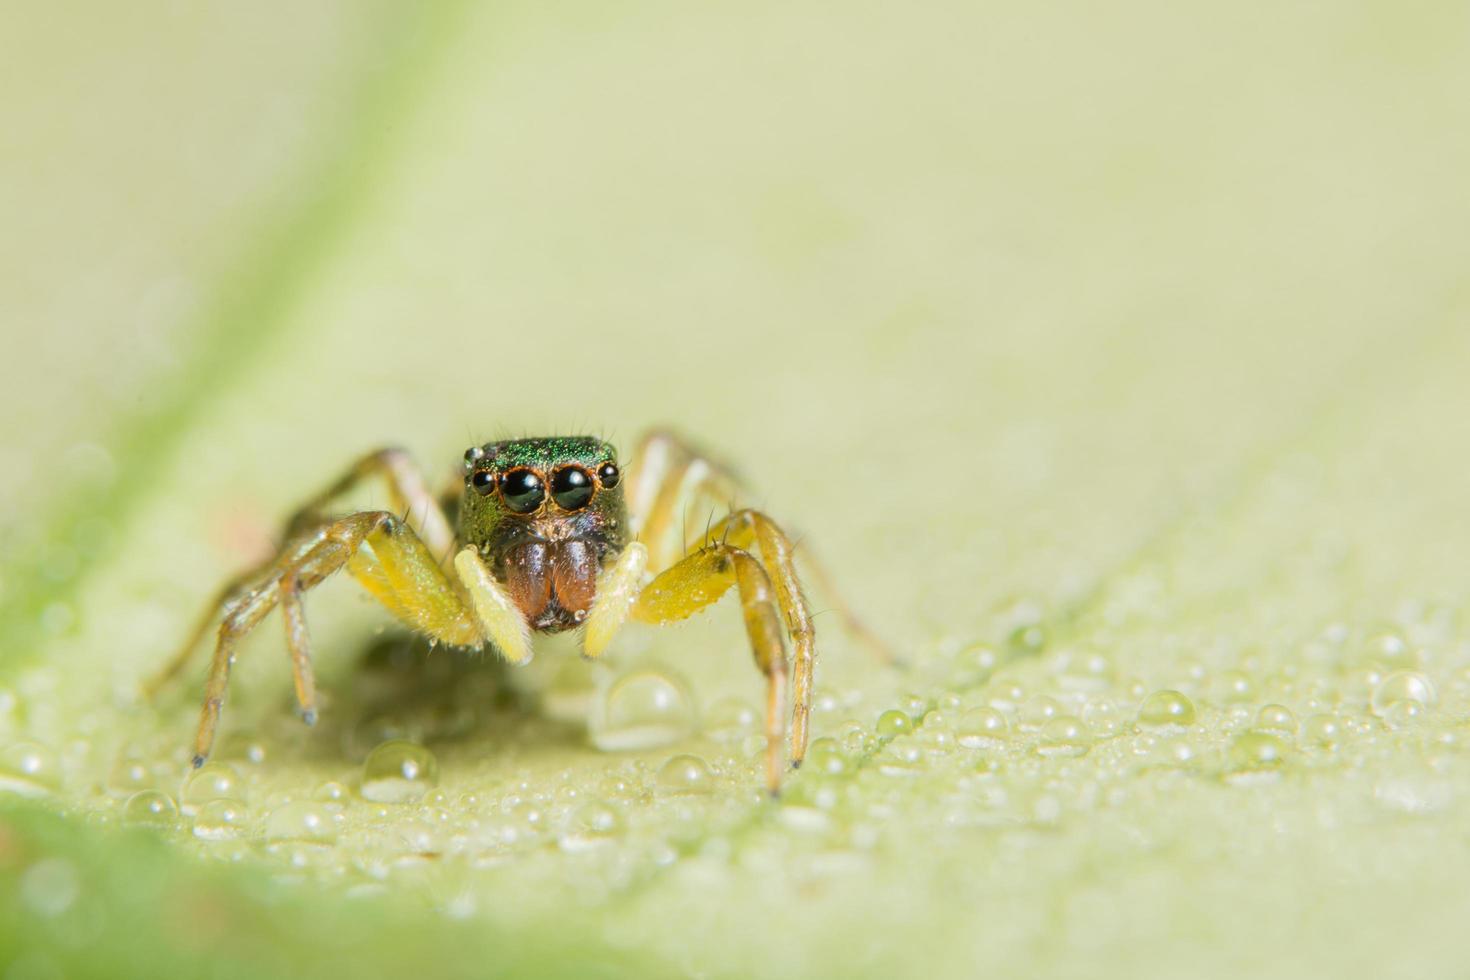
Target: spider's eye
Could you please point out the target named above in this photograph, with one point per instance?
(522, 491)
(571, 487)
(483, 481)
(608, 474)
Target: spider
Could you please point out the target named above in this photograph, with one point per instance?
(552, 536)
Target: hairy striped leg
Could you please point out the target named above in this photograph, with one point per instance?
(378, 549)
(667, 477)
(408, 495)
(700, 579)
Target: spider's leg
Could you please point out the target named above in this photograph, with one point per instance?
(408, 495)
(499, 619)
(700, 579)
(802, 552)
(378, 549)
(666, 475)
(744, 529)
(846, 615)
(211, 614)
(617, 590)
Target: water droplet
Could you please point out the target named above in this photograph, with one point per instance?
(1324, 730)
(1405, 714)
(1103, 718)
(1235, 686)
(642, 710)
(893, 723)
(330, 792)
(1166, 708)
(1038, 711)
(128, 775)
(1389, 648)
(901, 759)
(1403, 685)
(241, 747)
(1064, 736)
(301, 821)
(220, 819)
(1257, 750)
(980, 727)
(1027, 640)
(29, 769)
(913, 705)
(596, 817)
(399, 771)
(685, 774)
(215, 781)
(826, 757)
(150, 808)
(1276, 719)
(730, 720)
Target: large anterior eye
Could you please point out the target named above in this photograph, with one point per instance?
(522, 491)
(571, 487)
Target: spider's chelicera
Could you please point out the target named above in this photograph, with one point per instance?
(551, 535)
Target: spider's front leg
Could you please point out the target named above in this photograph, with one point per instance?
(408, 495)
(683, 590)
(386, 557)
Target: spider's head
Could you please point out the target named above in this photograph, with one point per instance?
(546, 514)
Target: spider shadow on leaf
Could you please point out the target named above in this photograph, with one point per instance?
(404, 687)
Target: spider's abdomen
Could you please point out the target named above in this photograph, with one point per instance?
(553, 583)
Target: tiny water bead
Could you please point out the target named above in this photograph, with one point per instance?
(220, 819)
(1167, 707)
(151, 808)
(592, 825)
(1257, 750)
(982, 726)
(1064, 736)
(1038, 711)
(825, 756)
(1321, 729)
(1389, 648)
(399, 771)
(1405, 714)
(215, 781)
(303, 821)
(1276, 719)
(29, 768)
(128, 775)
(1403, 685)
(1235, 686)
(644, 709)
(685, 775)
(330, 792)
(730, 719)
(893, 723)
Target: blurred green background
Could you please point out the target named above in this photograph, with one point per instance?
(1102, 350)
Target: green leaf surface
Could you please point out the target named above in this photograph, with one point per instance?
(1114, 358)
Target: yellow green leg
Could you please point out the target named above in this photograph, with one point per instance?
(408, 496)
(496, 613)
(381, 552)
(702, 578)
(747, 528)
(617, 590)
(667, 475)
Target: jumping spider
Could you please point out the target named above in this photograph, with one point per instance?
(552, 536)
